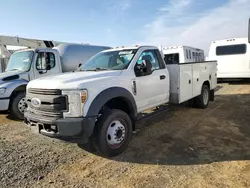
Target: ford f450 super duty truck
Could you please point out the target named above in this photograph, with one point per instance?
(101, 102)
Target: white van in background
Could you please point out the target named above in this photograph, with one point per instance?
(232, 56)
(182, 54)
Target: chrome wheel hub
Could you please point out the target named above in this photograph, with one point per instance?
(205, 96)
(22, 105)
(115, 134)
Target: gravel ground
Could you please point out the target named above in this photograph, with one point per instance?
(182, 147)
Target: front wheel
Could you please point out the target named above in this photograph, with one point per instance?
(203, 100)
(114, 131)
(18, 105)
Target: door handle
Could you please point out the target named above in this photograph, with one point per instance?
(162, 77)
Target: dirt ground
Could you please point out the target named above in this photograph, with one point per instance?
(182, 147)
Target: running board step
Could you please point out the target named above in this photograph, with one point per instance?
(152, 112)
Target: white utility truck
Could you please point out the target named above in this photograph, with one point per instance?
(233, 57)
(29, 64)
(100, 103)
(9, 44)
(182, 54)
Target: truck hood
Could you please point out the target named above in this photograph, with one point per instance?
(71, 80)
(13, 75)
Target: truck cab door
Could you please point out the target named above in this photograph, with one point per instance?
(46, 63)
(152, 88)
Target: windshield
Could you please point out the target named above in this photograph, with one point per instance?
(112, 60)
(20, 61)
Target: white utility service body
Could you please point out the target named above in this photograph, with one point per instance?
(186, 79)
(188, 71)
(232, 56)
(103, 100)
(182, 54)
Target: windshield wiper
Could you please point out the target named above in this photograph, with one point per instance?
(14, 70)
(97, 69)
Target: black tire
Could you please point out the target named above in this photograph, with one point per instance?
(103, 125)
(191, 103)
(89, 147)
(15, 112)
(202, 100)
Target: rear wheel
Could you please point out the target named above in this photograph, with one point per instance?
(114, 131)
(203, 99)
(18, 105)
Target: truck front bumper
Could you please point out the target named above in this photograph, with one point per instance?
(4, 104)
(76, 130)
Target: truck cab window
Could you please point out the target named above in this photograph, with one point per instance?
(113, 60)
(152, 57)
(41, 60)
(172, 58)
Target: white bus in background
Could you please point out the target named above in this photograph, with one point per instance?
(182, 54)
(232, 56)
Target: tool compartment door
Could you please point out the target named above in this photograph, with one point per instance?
(201, 73)
(186, 82)
(213, 67)
(174, 76)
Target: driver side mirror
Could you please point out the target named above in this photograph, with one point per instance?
(42, 71)
(144, 68)
(78, 67)
(48, 67)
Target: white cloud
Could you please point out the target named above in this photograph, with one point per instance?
(124, 5)
(175, 6)
(115, 7)
(178, 24)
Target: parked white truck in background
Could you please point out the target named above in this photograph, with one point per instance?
(9, 44)
(26, 65)
(101, 103)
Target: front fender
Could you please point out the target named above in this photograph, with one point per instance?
(11, 86)
(102, 98)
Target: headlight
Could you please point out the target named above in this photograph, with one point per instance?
(2, 91)
(76, 101)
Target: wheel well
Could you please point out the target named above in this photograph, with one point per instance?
(18, 89)
(207, 83)
(119, 103)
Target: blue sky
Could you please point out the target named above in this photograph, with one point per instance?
(126, 22)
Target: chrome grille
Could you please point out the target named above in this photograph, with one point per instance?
(52, 103)
(45, 91)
